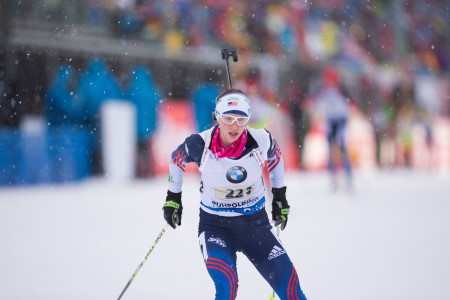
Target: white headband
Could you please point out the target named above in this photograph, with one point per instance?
(233, 103)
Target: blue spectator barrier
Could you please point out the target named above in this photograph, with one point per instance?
(33, 164)
(56, 157)
(8, 157)
(69, 154)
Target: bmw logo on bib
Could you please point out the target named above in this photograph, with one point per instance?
(236, 174)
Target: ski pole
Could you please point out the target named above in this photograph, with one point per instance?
(144, 260)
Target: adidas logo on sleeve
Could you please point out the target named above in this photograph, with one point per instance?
(276, 251)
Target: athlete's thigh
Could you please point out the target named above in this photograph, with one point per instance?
(331, 131)
(265, 251)
(340, 134)
(217, 245)
(219, 255)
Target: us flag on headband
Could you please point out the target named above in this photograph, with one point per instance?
(232, 103)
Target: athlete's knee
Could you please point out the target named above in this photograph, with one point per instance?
(224, 276)
(292, 290)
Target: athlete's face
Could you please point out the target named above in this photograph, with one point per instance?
(230, 132)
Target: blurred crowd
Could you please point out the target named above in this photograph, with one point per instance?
(389, 58)
(403, 125)
(75, 101)
(296, 28)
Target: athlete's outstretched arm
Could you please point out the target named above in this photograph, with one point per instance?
(275, 164)
(189, 151)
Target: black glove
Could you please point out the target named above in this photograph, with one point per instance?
(173, 209)
(280, 207)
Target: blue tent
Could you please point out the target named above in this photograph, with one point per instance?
(146, 95)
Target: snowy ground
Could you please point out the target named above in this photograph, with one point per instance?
(389, 239)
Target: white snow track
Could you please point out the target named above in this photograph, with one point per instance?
(389, 239)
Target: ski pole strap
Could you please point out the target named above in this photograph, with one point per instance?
(171, 204)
